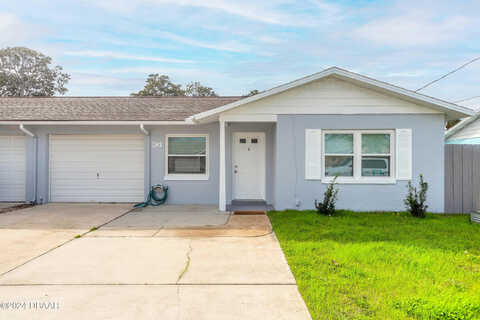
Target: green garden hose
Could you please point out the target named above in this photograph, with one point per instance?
(153, 199)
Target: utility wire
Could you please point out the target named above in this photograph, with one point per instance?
(446, 75)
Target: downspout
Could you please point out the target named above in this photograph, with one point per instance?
(149, 150)
(142, 128)
(35, 153)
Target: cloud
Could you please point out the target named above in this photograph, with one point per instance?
(406, 74)
(115, 55)
(232, 46)
(91, 84)
(252, 11)
(414, 29)
(13, 31)
(278, 12)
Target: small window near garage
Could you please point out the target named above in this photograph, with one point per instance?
(187, 157)
(243, 140)
(254, 140)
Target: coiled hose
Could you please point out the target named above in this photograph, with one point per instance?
(153, 199)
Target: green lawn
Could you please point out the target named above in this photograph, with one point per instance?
(363, 265)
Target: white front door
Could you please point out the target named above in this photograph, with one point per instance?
(248, 165)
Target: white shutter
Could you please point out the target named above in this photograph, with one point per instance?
(404, 154)
(313, 154)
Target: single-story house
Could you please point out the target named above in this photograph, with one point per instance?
(282, 146)
(466, 131)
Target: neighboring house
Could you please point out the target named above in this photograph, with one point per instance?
(466, 131)
(281, 146)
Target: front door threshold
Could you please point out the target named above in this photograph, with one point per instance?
(249, 207)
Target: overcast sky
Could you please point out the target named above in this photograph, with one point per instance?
(110, 46)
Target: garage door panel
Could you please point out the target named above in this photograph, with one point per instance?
(12, 168)
(100, 168)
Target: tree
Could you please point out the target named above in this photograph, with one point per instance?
(451, 123)
(26, 72)
(253, 92)
(160, 85)
(195, 89)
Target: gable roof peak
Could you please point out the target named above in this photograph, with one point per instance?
(447, 107)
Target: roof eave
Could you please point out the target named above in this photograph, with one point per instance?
(462, 124)
(449, 108)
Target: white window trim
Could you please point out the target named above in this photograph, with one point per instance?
(357, 159)
(182, 176)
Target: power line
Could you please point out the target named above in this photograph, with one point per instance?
(446, 75)
(466, 99)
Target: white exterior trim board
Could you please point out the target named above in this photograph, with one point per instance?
(249, 118)
(389, 88)
(135, 123)
(222, 193)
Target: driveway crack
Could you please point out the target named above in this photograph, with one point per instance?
(187, 264)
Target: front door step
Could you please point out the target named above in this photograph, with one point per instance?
(246, 213)
(249, 207)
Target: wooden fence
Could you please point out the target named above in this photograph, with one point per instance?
(462, 178)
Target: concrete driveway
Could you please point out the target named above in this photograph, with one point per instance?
(149, 277)
(28, 233)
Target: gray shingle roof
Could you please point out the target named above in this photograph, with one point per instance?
(106, 108)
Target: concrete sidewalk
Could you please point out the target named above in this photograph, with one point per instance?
(188, 302)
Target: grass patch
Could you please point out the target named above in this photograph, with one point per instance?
(93, 229)
(78, 236)
(384, 265)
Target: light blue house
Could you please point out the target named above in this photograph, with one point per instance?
(282, 146)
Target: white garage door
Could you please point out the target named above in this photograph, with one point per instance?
(12, 168)
(96, 168)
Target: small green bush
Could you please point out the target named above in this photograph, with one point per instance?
(327, 206)
(415, 200)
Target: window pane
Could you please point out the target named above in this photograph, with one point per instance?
(375, 166)
(186, 165)
(376, 143)
(339, 143)
(339, 166)
(187, 145)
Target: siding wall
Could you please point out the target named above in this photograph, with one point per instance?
(180, 192)
(331, 96)
(428, 154)
(462, 178)
(472, 130)
(188, 191)
(201, 192)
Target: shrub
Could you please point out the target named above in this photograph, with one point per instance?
(327, 206)
(415, 200)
